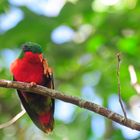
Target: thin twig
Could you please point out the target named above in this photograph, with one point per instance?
(119, 87)
(13, 120)
(70, 99)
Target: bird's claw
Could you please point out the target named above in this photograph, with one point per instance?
(33, 84)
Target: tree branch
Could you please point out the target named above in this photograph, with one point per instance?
(13, 120)
(119, 85)
(74, 100)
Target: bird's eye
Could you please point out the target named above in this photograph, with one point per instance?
(26, 48)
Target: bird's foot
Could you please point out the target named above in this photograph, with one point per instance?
(33, 84)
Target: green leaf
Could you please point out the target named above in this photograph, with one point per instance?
(95, 43)
(128, 44)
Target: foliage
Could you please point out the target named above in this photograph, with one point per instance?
(84, 66)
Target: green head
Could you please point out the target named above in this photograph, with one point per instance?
(30, 47)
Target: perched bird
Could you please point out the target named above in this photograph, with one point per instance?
(31, 67)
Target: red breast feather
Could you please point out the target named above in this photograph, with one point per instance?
(28, 69)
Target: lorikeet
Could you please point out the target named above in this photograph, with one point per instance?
(31, 67)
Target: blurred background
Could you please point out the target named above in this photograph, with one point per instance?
(80, 39)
